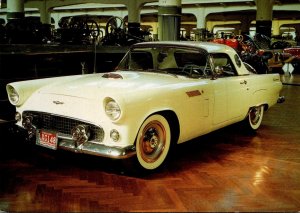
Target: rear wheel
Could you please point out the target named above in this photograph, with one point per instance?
(255, 117)
(153, 142)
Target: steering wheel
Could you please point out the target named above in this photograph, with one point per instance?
(192, 69)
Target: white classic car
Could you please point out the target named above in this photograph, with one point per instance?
(162, 93)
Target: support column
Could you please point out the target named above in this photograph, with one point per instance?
(15, 9)
(45, 14)
(134, 10)
(201, 18)
(264, 16)
(169, 14)
(16, 29)
(201, 25)
(245, 25)
(45, 19)
(276, 28)
(154, 26)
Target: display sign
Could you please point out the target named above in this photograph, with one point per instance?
(288, 68)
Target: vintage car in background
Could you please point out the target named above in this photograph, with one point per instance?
(260, 53)
(295, 52)
(161, 94)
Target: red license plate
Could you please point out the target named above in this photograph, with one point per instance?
(47, 139)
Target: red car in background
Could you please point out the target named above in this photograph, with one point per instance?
(262, 55)
(294, 51)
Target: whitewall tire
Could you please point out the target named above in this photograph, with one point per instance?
(153, 142)
(255, 117)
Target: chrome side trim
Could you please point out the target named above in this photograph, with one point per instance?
(98, 149)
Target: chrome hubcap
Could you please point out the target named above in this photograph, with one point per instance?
(255, 114)
(152, 142)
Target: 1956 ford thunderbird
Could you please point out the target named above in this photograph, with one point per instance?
(161, 94)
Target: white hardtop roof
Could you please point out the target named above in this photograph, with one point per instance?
(208, 46)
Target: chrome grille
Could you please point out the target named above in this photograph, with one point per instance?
(62, 125)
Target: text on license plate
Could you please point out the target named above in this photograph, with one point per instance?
(47, 139)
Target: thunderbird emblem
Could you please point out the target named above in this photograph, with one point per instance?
(58, 102)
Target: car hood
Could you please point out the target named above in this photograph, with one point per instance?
(90, 86)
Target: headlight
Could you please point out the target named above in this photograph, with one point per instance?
(112, 109)
(12, 95)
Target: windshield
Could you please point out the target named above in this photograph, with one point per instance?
(171, 60)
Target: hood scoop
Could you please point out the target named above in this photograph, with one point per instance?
(112, 75)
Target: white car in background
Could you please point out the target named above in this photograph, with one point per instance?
(161, 94)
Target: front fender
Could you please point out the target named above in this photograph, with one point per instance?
(26, 88)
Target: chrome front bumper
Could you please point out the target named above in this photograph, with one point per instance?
(98, 149)
(90, 148)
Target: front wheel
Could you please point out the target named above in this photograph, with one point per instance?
(153, 142)
(255, 117)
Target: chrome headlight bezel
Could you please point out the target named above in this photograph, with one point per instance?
(13, 95)
(112, 109)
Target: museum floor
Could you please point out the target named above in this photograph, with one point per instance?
(228, 170)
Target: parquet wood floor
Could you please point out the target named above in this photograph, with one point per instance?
(227, 170)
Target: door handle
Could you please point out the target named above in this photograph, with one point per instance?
(243, 82)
